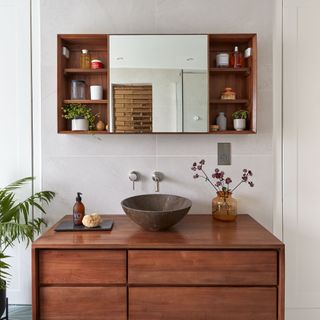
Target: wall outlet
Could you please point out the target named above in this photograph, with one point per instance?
(224, 154)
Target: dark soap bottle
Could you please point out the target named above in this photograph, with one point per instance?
(78, 211)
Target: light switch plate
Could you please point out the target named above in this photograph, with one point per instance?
(224, 154)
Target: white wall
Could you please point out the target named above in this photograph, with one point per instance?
(301, 158)
(15, 128)
(98, 166)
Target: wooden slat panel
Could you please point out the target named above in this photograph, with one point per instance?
(83, 303)
(131, 102)
(202, 267)
(216, 303)
(82, 267)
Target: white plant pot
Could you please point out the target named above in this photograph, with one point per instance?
(80, 124)
(239, 124)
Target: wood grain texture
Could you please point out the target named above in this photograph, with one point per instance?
(199, 269)
(202, 267)
(35, 283)
(69, 69)
(203, 303)
(242, 80)
(193, 232)
(82, 267)
(83, 303)
(281, 286)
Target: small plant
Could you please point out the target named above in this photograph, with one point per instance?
(240, 114)
(15, 221)
(79, 111)
(218, 181)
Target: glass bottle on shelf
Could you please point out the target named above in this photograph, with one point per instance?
(85, 59)
(221, 121)
(78, 90)
(236, 58)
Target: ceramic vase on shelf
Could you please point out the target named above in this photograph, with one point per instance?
(224, 207)
(222, 121)
(80, 124)
(239, 124)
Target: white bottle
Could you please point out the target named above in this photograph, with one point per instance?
(222, 121)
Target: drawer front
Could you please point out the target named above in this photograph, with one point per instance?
(215, 303)
(202, 267)
(83, 303)
(82, 267)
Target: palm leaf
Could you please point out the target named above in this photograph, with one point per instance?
(15, 221)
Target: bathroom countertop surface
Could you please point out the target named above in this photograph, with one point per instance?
(196, 231)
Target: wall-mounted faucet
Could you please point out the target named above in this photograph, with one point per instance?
(133, 177)
(157, 177)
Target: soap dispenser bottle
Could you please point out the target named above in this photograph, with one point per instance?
(78, 211)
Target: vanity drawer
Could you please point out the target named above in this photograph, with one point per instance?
(82, 303)
(217, 267)
(82, 267)
(215, 303)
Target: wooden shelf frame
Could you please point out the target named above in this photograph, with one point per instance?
(242, 80)
(86, 101)
(229, 102)
(69, 69)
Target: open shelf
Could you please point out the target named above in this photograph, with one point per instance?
(69, 69)
(230, 70)
(236, 101)
(84, 132)
(85, 71)
(242, 80)
(86, 101)
(233, 132)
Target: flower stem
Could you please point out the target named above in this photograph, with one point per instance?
(207, 178)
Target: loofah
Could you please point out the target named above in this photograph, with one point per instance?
(91, 220)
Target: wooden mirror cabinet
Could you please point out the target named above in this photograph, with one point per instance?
(243, 80)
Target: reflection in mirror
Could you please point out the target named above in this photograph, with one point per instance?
(158, 83)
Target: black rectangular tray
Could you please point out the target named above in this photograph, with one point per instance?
(64, 226)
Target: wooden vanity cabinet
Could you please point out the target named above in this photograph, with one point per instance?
(200, 269)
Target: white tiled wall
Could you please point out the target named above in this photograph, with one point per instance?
(98, 165)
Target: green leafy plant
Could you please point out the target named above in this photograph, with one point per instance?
(15, 221)
(240, 114)
(79, 111)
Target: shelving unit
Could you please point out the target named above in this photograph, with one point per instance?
(69, 69)
(241, 80)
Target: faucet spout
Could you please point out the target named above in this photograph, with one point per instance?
(157, 177)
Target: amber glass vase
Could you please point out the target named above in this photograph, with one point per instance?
(224, 207)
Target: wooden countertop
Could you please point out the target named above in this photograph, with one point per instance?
(193, 232)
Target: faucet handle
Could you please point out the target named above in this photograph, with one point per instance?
(157, 177)
(134, 176)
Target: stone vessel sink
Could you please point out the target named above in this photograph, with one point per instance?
(154, 212)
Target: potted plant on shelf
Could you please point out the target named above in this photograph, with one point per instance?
(81, 116)
(17, 225)
(224, 207)
(239, 119)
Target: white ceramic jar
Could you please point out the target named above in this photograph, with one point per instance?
(239, 124)
(96, 92)
(222, 60)
(80, 124)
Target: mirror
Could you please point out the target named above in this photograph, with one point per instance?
(158, 83)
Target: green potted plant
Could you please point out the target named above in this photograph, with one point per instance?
(239, 119)
(81, 116)
(17, 225)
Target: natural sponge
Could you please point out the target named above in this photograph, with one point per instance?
(91, 220)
